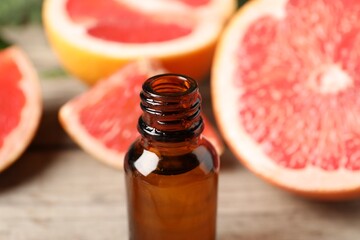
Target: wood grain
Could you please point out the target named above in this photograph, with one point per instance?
(56, 191)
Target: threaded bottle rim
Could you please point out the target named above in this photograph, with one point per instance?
(171, 108)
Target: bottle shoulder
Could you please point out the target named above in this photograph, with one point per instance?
(149, 159)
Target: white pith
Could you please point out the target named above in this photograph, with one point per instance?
(330, 79)
(205, 31)
(69, 113)
(309, 180)
(17, 140)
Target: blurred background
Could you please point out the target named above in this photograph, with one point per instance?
(56, 191)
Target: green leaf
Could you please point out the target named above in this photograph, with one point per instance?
(241, 2)
(4, 43)
(15, 12)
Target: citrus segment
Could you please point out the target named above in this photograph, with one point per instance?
(284, 89)
(20, 104)
(109, 117)
(103, 121)
(95, 38)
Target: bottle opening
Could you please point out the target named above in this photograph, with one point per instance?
(169, 85)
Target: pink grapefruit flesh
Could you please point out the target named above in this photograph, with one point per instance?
(110, 117)
(295, 78)
(195, 3)
(316, 93)
(20, 104)
(12, 94)
(112, 21)
(103, 121)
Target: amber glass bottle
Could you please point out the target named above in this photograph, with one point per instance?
(171, 171)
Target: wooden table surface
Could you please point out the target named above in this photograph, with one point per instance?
(56, 191)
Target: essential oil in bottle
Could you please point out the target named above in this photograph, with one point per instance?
(171, 171)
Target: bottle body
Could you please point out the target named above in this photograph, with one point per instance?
(171, 171)
(172, 196)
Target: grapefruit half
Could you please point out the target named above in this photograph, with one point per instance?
(20, 104)
(285, 89)
(103, 120)
(95, 38)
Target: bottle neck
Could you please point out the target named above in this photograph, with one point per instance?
(171, 107)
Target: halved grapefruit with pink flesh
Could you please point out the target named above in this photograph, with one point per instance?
(95, 38)
(20, 104)
(285, 89)
(103, 120)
